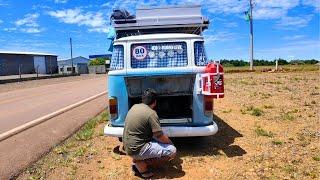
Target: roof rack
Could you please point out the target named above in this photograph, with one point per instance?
(168, 19)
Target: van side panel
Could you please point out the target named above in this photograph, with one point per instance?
(199, 118)
(117, 88)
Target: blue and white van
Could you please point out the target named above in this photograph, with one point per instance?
(174, 65)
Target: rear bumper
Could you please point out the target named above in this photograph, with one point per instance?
(171, 131)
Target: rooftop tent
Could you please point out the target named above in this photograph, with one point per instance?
(169, 19)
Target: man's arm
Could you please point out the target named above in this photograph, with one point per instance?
(157, 130)
(160, 137)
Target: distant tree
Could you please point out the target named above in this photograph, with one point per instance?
(311, 61)
(297, 62)
(282, 62)
(236, 63)
(262, 62)
(98, 61)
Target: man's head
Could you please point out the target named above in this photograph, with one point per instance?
(149, 97)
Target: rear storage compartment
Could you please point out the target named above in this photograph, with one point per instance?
(174, 102)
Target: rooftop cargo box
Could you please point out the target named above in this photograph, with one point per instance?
(169, 19)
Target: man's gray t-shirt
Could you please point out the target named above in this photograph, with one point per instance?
(140, 123)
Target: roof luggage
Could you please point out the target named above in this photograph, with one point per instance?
(152, 20)
(122, 16)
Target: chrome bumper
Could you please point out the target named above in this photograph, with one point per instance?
(171, 131)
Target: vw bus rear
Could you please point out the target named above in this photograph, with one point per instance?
(174, 64)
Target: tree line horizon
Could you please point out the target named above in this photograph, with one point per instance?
(238, 62)
(262, 62)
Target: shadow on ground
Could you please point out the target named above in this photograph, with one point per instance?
(171, 170)
(199, 146)
(167, 171)
(211, 145)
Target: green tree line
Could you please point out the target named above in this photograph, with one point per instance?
(256, 62)
(98, 61)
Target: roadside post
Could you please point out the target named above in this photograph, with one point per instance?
(50, 66)
(20, 71)
(37, 71)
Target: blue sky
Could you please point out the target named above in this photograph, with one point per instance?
(283, 28)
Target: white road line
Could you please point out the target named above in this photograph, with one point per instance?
(42, 119)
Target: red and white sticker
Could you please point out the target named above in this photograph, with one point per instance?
(139, 52)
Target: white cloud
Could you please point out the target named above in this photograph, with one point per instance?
(299, 49)
(1, 21)
(263, 9)
(35, 45)
(31, 30)
(93, 20)
(287, 22)
(231, 24)
(283, 4)
(10, 29)
(29, 20)
(295, 37)
(268, 13)
(305, 42)
(314, 3)
(28, 24)
(224, 6)
(3, 4)
(220, 36)
(60, 1)
(107, 4)
(40, 7)
(131, 5)
(273, 9)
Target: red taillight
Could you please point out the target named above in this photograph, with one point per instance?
(208, 105)
(212, 83)
(113, 107)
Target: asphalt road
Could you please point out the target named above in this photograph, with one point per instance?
(20, 106)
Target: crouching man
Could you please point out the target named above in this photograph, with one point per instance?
(143, 138)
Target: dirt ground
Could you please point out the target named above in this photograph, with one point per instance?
(269, 129)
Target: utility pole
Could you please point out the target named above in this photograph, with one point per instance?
(71, 56)
(251, 36)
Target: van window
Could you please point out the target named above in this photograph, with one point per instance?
(156, 55)
(117, 60)
(200, 56)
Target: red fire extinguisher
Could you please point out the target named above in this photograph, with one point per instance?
(212, 81)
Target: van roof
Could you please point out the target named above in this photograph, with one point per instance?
(160, 37)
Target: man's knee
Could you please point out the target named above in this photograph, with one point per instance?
(173, 151)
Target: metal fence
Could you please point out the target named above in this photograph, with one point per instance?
(101, 69)
(13, 71)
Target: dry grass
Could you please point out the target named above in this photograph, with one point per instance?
(284, 68)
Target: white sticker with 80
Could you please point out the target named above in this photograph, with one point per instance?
(140, 52)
